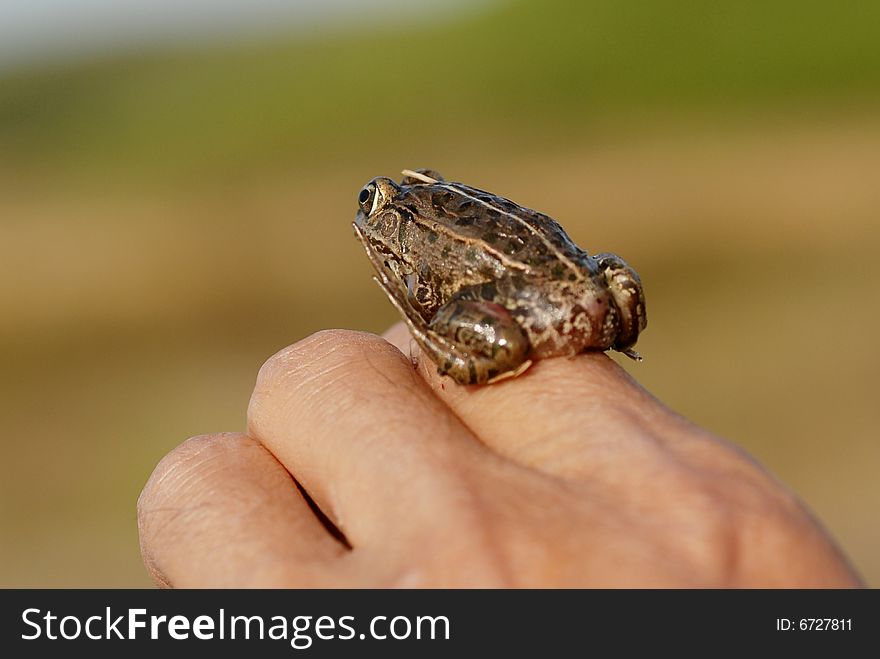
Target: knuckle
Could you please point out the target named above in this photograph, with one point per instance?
(320, 351)
(158, 511)
(324, 357)
(176, 469)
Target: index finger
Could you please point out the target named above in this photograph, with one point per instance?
(565, 416)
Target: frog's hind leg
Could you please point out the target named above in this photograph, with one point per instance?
(472, 341)
(629, 298)
(477, 341)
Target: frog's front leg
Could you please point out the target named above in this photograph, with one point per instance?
(476, 341)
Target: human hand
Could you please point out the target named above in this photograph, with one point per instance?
(570, 475)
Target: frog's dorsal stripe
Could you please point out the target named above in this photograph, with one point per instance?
(446, 231)
(562, 257)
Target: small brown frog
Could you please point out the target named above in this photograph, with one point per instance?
(485, 285)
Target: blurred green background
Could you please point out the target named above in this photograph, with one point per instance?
(172, 215)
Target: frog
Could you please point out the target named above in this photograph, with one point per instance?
(486, 286)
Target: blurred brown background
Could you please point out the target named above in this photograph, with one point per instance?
(176, 207)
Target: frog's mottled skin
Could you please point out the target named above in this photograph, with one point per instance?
(485, 285)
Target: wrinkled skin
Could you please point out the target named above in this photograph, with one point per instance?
(570, 475)
(487, 286)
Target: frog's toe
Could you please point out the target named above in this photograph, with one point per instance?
(632, 354)
(519, 370)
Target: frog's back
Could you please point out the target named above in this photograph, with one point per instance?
(523, 235)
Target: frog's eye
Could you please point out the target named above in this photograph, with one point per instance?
(367, 198)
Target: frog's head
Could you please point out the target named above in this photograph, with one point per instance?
(375, 197)
(378, 218)
(384, 207)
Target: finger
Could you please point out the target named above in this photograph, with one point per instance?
(378, 452)
(220, 511)
(565, 416)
